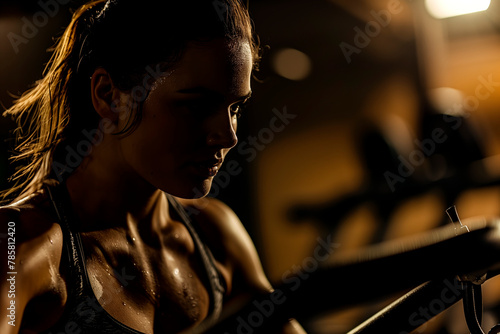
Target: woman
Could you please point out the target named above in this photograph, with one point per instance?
(138, 104)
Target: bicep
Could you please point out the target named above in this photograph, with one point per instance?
(253, 278)
(11, 306)
(12, 299)
(241, 254)
(248, 274)
(25, 262)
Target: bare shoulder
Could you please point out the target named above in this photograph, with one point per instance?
(228, 235)
(31, 240)
(31, 218)
(219, 222)
(230, 242)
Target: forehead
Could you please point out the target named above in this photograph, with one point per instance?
(218, 65)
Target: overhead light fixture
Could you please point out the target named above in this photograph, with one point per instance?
(442, 9)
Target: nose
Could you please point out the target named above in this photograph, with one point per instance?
(222, 130)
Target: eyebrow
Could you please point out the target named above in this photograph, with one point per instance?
(207, 91)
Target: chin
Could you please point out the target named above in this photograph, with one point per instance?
(193, 191)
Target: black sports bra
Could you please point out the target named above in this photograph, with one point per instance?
(82, 313)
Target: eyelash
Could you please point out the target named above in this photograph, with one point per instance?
(239, 109)
(201, 105)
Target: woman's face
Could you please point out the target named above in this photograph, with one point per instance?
(189, 118)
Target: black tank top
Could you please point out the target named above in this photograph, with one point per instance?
(83, 313)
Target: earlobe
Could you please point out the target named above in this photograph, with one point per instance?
(103, 93)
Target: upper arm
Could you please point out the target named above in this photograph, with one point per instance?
(227, 232)
(27, 265)
(236, 250)
(6, 251)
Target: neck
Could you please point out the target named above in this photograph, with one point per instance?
(107, 193)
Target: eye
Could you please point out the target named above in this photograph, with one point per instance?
(237, 109)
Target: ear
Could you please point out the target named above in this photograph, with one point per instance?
(105, 95)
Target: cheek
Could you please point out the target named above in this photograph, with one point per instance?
(160, 143)
(148, 143)
(158, 152)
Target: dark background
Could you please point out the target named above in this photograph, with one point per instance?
(325, 173)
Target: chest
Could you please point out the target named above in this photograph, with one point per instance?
(159, 288)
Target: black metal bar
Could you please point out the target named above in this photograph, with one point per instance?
(413, 309)
(470, 308)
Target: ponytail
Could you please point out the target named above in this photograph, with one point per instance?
(42, 112)
(125, 37)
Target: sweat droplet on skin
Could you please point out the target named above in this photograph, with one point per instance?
(97, 288)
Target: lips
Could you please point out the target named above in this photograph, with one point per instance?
(207, 168)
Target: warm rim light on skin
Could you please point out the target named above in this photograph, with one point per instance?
(441, 9)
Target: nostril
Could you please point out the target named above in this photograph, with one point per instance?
(222, 133)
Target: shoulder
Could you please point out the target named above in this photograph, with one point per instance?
(32, 216)
(217, 220)
(228, 235)
(33, 239)
(230, 242)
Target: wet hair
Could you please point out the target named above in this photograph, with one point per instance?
(127, 38)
